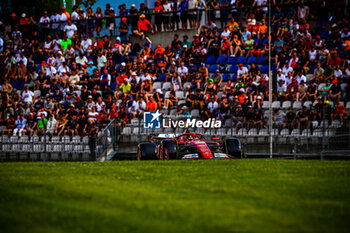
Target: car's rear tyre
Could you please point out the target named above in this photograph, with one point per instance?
(147, 151)
(168, 149)
(233, 147)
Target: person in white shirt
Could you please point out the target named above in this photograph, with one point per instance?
(312, 54)
(288, 79)
(92, 116)
(63, 19)
(45, 21)
(59, 59)
(303, 11)
(280, 76)
(70, 29)
(140, 105)
(261, 3)
(286, 69)
(74, 15)
(56, 43)
(225, 33)
(338, 73)
(101, 60)
(100, 105)
(212, 105)
(192, 15)
(166, 8)
(28, 96)
(182, 70)
(54, 19)
(50, 70)
(242, 72)
(22, 59)
(48, 43)
(301, 77)
(63, 68)
(81, 59)
(86, 43)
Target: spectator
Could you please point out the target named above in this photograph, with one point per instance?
(110, 22)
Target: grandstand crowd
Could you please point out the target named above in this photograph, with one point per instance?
(59, 78)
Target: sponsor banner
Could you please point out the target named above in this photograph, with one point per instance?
(154, 120)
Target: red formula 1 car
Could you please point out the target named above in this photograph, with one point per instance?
(189, 146)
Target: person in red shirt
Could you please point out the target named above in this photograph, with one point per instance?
(120, 79)
(292, 89)
(159, 50)
(151, 105)
(65, 12)
(143, 27)
(112, 114)
(158, 8)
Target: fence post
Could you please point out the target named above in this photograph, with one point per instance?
(139, 133)
(45, 152)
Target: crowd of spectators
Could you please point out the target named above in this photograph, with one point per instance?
(72, 81)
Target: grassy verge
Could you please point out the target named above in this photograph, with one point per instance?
(176, 196)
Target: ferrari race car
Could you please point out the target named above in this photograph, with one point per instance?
(188, 146)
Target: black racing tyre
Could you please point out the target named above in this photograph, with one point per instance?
(233, 147)
(168, 149)
(147, 151)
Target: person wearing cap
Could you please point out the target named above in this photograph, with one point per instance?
(242, 72)
(125, 88)
(280, 75)
(210, 87)
(324, 91)
(238, 116)
(143, 27)
(123, 28)
(249, 116)
(159, 97)
(217, 78)
(212, 105)
(85, 44)
(91, 68)
(110, 22)
(41, 123)
(335, 91)
(237, 46)
(158, 8)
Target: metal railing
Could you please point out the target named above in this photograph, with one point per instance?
(106, 140)
(236, 12)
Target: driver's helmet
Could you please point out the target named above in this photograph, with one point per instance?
(189, 138)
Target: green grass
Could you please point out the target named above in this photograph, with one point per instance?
(176, 196)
